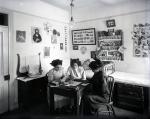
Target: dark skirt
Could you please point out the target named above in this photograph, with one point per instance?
(91, 102)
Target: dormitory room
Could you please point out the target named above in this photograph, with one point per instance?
(74, 59)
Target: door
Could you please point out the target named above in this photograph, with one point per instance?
(4, 68)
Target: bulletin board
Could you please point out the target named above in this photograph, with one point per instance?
(84, 37)
(141, 40)
(110, 46)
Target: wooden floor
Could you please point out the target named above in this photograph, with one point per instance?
(41, 111)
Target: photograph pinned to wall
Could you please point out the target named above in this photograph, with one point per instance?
(75, 47)
(46, 51)
(83, 49)
(54, 39)
(61, 46)
(55, 36)
(93, 54)
(56, 32)
(111, 32)
(36, 34)
(47, 27)
(20, 36)
(141, 40)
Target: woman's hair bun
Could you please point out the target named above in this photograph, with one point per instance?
(56, 62)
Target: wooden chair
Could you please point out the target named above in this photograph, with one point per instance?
(109, 110)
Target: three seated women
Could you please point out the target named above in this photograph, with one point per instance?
(96, 93)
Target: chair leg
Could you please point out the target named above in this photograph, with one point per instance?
(113, 110)
(108, 108)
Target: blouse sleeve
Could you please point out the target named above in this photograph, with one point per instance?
(83, 75)
(50, 76)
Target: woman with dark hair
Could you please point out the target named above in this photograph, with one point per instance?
(57, 73)
(75, 71)
(55, 76)
(97, 92)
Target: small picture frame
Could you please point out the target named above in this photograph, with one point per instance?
(36, 34)
(75, 47)
(110, 23)
(110, 32)
(61, 46)
(93, 54)
(20, 36)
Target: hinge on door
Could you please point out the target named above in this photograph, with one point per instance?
(7, 77)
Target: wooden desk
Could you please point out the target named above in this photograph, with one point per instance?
(131, 91)
(31, 90)
(74, 92)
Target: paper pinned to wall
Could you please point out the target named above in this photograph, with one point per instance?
(32, 63)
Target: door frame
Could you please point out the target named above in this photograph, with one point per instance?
(10, 51)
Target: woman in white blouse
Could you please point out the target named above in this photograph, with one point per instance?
(75, 71)
(57, 73)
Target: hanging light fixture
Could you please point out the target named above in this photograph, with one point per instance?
(71, 13)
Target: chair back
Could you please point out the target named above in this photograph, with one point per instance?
(110, 84)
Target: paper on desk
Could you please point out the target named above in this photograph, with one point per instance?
(73, 83)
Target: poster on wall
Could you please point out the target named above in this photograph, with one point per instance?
(36, 34)
(84, 37)
(110, 47)
(55, 36)
(141, 40)
(46, 51)
(20, 36)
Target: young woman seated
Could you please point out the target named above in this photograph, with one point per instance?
(57, 73)
(97, 92)
(75, 71)
(55, 76)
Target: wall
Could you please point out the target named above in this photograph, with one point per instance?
(29, 50)
(99, 11)
(36, 8)
(22, 16)
(125, 22)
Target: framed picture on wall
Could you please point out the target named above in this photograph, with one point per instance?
(36, 34)
(75, 47)
(61, 46)
(93, 54)
(110, 23)
(84, 37)
(20, 36)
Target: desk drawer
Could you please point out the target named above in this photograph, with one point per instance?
(130, 90)
(129, 96)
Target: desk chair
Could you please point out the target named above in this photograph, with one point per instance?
(109, 104)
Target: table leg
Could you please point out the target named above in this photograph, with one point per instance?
(52, 104)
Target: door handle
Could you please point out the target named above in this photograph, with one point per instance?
(7, 77)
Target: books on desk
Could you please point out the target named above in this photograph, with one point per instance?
(72, 83)
(30, 77)
(69, 83)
